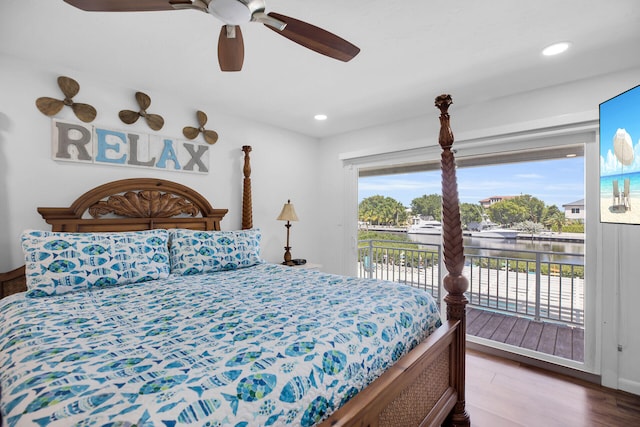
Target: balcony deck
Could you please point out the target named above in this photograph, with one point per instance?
(545, 337)
(523, 298)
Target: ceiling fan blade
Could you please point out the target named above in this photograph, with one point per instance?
(125, 5)
(190, 132)
(202, 118)
(144, 101)
(84, 112)
(49, 106)
(210, 136)
(69, 87)
(154, 121)
(230, 48)
(315, 38)
(129, 117)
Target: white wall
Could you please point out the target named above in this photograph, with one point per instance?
(571, 215)
(611, 251)
(283, 163)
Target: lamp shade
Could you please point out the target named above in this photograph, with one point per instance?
(288, 213)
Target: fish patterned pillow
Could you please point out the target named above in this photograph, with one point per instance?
(197, 252)
(57, 263)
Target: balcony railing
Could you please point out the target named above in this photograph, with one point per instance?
(540, 285)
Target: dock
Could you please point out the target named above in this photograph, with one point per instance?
(544, 236)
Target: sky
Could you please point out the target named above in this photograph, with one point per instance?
(555, 182)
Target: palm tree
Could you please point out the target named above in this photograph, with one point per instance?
(556, 220)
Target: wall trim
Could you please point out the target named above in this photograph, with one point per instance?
(525, 131)
(629, 386)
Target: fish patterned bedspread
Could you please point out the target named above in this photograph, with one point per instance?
(259, 346)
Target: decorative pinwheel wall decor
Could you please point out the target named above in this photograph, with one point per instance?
(129, 117)
(70, 88)
(209, 135)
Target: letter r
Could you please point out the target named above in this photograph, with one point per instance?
(65, 140)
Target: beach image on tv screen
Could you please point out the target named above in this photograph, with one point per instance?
(620, 158)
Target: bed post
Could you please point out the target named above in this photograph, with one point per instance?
(454, 282)
(247, 216)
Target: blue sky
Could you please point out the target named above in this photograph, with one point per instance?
(555, 182)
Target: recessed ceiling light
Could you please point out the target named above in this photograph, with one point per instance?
(555, 48)
(320, 117)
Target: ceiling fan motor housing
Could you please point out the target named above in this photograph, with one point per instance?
(235, 12)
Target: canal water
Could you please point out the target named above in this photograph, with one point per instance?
(556, 251)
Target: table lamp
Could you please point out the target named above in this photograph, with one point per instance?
(288, 214)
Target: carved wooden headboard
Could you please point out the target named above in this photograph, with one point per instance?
(135, 204)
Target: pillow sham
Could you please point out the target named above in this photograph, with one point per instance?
(57, 263)
(197, 252)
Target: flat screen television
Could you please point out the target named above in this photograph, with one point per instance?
(620, 158)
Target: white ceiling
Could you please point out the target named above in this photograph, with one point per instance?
(411, 51)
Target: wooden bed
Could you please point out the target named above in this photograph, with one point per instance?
(426, 387)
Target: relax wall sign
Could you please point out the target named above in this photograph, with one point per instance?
(83, 143)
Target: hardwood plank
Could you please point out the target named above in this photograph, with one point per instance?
(490, 327)
(564, 343)
(502, 392)
(484, 418)
(551, 338)
(578, 344)
(503, 331)
(472, 313)
(627, 403)
(517, 332)
(548, 336)
(531, 338)
(478, 323)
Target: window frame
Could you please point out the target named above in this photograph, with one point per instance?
(540, 141)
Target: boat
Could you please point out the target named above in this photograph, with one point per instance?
(489, 229)
(421, 226)
(496, 233)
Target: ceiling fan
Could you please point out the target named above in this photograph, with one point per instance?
(234, 13)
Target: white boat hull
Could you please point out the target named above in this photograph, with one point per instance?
(496, 234)
(433, 228)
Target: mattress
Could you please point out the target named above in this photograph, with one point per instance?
(258, 346)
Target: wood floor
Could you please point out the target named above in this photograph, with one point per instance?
(549, 338)
(502, 392)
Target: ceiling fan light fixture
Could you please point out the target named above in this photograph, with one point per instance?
(556, 48)
(232, 12)
(320, 117)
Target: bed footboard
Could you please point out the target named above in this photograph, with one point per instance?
(419, 390)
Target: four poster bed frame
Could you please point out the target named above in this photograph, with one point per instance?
(426, 387)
